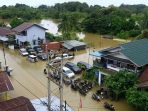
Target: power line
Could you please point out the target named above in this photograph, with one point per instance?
(28, 90)
(43, 84)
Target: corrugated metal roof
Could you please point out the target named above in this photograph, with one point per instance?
(69, 44)
(17, 104)
(5, 83)
(136, 51)
(5, 31)
(55, 104)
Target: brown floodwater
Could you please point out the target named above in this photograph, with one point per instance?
(29, 81)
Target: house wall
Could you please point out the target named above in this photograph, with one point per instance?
(144, 76)
(33, 33)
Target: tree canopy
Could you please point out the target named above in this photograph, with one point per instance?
(120, 82)
(138, 99)
(123, 21)
(16, 21)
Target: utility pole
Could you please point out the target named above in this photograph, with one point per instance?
(4, 55)
(61, 84)
(59, 71)
(48, 72)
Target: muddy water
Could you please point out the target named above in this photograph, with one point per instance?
(29, 81)
(95, 41)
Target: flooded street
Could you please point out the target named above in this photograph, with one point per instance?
(29, 81)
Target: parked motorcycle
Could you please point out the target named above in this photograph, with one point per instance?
(96, 97)
(109, 106)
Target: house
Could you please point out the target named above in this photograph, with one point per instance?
(5, 33)
(31, 33)
(17, 104)
(132, 56)
(74, 45)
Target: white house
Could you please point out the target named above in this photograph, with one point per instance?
(29, 32)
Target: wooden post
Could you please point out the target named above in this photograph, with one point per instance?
(135, 69)
(99, 78)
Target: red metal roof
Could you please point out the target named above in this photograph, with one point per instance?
(5, 83)
(25, 26)
(17, 104)
(5, 31)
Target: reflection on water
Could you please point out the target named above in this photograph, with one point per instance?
(51, 26)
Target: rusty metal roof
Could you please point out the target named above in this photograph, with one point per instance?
(5, 31)
(5, 83)
(17, 104)
(25, 26)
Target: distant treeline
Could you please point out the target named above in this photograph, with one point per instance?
(123, 21)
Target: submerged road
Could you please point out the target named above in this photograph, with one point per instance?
(29, 81)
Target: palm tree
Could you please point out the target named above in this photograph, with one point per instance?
(68, 26)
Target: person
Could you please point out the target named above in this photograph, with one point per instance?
(45, 71)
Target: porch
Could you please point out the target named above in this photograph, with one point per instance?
(116, 64)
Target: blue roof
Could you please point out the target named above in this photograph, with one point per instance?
(96, 54)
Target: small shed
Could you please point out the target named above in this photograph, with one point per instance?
(74, 45)
(17, 104)
(52, 46)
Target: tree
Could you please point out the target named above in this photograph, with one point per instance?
(144, 23)
(16, 21)
(120, 82)
(90, 74)
(68, 26)
(138, 99)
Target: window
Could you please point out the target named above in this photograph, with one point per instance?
(24, 33)
(34, 42)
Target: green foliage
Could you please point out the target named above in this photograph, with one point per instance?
(90, 74)
(123, 35)
(138, 99)
(134, 33)
(50, 37)
(16, 21)
(120, 82)
(68, 26)
(125, 20)
(145, 33)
